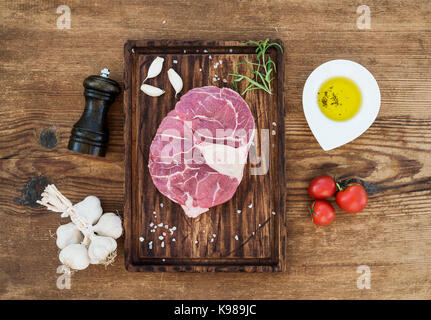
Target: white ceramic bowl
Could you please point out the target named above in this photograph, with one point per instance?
(331, 134)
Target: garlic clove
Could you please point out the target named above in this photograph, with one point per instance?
(175, 80)
(89, 208)
(155, 68)
(75, 256)
(151, 90)
(109, 225)
(68, 234)
(100, 248)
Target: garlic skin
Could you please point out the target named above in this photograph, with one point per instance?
(109, 225)
(75, 256)
(175, 80)
(155, 68)
(68, 234)
(151, 90)
(100, 248)
(90, 209)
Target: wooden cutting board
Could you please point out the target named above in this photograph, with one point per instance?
(247, 233)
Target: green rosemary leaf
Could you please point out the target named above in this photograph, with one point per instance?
(261, 70)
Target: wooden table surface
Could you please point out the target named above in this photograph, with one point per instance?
(41, 73)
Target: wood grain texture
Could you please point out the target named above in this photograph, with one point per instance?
(41, 82)
(208, 242)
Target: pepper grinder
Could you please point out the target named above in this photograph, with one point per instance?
(90, 134)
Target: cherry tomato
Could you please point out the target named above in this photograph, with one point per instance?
(321, 212)
(322, 187)
(353, 199)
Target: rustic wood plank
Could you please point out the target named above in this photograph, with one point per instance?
(42, 87)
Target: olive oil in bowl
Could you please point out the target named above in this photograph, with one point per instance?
(339, 98)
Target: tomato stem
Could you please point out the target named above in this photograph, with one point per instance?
(311, 211)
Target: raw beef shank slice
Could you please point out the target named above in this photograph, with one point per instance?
(198, 155)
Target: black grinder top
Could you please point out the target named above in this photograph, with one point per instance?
(90, 134)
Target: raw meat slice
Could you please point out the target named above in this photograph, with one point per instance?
(198, 155)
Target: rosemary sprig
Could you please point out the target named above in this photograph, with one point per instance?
(261, 69)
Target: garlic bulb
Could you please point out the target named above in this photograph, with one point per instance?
(67, 234)
(155, 68)
(175, 80)
(109, 225)
(100, 248)
(151, 90)
(79, 245)
(89, 208)
(75, 256)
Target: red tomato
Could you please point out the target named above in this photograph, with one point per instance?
(322, 187)
(321, 212)
(353, 199)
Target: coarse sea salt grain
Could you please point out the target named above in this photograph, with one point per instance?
(161, 205)
(160, 224)
(253, 233)
(238, 211)
(205, 51)
(151, 224)
(166, 226)
(210, 57)
(214, 235)
(173, 240)
(200, 69)
(220, 62)
(161, 238)
(164, 21)
(154, 212)
(273, 132)
(141, 239)
(185, 51)
(230, 50)
(212, 240)
(150, 245)
(273, 213)
(174, 228)
(224, 80)
(196, 241)
(162, 244)
(260, 225)
(164, 234)
(175, 61)
(274, 124)
(163, 259)
(250, 205)
(236, 237)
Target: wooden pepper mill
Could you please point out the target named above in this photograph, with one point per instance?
(90, 134)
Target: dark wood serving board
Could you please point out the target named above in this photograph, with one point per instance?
(221, 239)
